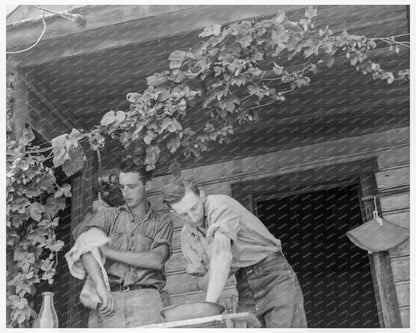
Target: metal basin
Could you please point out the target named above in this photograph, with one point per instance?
(191, 310)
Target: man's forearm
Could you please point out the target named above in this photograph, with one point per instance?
(149, 260)
(93, 269)
(218, 274)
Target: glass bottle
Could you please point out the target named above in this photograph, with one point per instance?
(47, 315)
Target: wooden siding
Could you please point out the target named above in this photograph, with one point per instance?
(394, 174)
(390, 148)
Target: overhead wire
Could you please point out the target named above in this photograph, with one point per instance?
(38, 40)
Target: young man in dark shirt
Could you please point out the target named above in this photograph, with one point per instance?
(140, 244)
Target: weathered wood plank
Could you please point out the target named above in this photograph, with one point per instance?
(401, 269)
(393, 178)
(42, 120)
(125, 33)
(405, 316)
(386, 291)
(285, 161)
(400, 250)
(403, 293)
(401, 218)
(395, 202)
(18, 118)
(393, 157)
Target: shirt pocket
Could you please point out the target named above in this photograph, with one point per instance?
(118, 240)
(141, 243)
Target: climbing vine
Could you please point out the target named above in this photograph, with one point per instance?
(234, 73)
(34, 200)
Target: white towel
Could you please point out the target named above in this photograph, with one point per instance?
(88, 241)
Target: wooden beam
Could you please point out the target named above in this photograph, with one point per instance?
(114, 28)
(20, 107)
(38, 90)
(385, 291)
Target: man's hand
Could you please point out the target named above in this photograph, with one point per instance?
(203, 282)
(105, 249)
(108, 303)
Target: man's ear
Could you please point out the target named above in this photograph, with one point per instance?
(202, 195)
(148, 186)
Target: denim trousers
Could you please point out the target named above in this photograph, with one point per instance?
(271, 290)
(134, 308)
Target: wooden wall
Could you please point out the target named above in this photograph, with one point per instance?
(390, 148)
(393, 181)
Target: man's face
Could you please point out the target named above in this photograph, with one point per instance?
(132, 188)
(190, 208)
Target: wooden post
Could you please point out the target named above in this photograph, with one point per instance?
(19, 108)
(81, 200)
(385, 291)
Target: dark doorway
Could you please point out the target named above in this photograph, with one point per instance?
(334, 274)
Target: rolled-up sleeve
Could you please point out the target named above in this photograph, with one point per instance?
(102, 220)
(196, 265)
(164, 235)
(225, 219)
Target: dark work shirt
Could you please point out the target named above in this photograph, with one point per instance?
(128, 234)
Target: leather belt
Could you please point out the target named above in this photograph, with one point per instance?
(120, 287)
(270, 257)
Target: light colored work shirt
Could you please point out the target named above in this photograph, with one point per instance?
(251, 241)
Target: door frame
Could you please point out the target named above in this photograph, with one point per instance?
(362, 173)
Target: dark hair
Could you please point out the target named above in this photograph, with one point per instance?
(174, 191)
(129, 164)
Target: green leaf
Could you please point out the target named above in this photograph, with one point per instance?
(33, 192)
(19, 205)
(56, 246)
(28, 135)
(66, 190)
(310, 12)
(278, 70)
(212, 30)
(120, 116)
(152, 155)
(108, 118)
(59, 145)
(76, 161)
(47, 184)
(36, 210)
(173, 144)
(280, 17)
(163, 95)
(175, 168)
(156, 80)
(148, 138)
(54, 205)
(182, 105)
(176, 58)
(133, 97)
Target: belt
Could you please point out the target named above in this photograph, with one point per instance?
(270, 257)
(120, 287)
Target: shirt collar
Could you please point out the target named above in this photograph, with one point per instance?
(148, 214)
